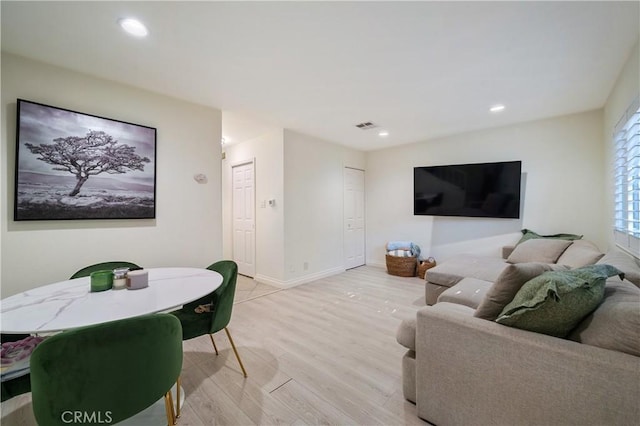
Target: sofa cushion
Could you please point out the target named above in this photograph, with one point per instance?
(507, 286)
(451, 271)
(406, 333)
(468, 292)
(623, 262)
(615, 324)
(580, 253)
(538, 250)
(506, 251)
(432, 292)
(528, 234)
(556, 301)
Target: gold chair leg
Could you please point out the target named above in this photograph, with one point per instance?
(178, 398)
(173, 413)
(244, 372)
(214, 344)
(168, 405)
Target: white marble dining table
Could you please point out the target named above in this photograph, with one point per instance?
(70, 304)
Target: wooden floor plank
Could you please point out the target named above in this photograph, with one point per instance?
(357, 405)
(252, 400)
(211, 403)
(313, 409)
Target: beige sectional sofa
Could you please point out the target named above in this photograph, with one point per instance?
(461, 369)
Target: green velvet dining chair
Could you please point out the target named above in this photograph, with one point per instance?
(219, 305)
(86, 271)
(107, 372)
(18, 385)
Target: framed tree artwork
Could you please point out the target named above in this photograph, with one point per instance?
(71, 165)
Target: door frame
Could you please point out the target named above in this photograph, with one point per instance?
(364, 227)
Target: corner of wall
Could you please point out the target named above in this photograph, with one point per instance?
(187, 229)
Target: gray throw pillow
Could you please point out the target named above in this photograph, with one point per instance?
(538, 250)
(580, 253)
(556, 301)
(507, 286)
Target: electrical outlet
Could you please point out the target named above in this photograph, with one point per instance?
(305, 266)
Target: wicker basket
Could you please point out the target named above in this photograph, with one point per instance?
(401, 266)
(424, 265)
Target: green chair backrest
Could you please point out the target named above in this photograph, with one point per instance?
(85, 272)
(223, 296)
(221, 300)
(106, 372)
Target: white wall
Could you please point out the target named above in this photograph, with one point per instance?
(267, 152)
(626, 88)
(563, 187)
(187, 230)
(304, 175)
(314, 205)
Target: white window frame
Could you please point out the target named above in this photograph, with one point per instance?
(626, 175)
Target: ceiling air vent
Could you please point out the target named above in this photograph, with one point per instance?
(366, 125)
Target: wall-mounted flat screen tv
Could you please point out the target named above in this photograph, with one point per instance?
(471, 190)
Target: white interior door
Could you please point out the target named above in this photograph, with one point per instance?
(244, 224)
(354, 238)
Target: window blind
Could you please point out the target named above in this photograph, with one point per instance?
(626, 141)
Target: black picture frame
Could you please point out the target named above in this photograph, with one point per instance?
(72, 165)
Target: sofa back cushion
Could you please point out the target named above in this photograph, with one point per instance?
(538, 250)
(507, 285)
(580, 253)
(615, 324)
(623, 262)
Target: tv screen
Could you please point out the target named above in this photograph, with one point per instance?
(471, 190)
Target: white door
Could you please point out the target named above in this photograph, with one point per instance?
(354, 218)
(244, 225)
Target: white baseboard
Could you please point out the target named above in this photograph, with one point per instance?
(268, 280)
(377, 264)
(300, 280)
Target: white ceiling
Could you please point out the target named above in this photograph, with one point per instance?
(418, 69)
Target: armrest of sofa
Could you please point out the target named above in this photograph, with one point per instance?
(474, 371)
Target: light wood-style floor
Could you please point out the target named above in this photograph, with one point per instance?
(320, 353)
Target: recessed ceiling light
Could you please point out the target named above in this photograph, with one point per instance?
(497, 108)
(383, 133)
(133, 27)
